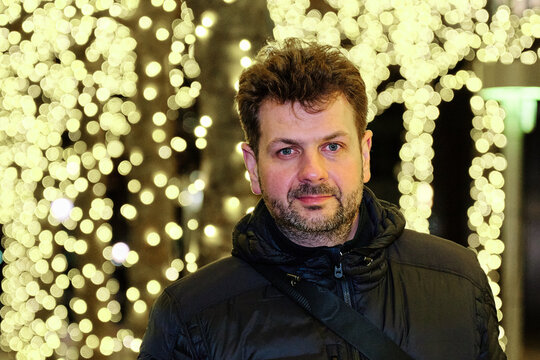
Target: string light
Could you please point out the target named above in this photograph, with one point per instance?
(66, 117)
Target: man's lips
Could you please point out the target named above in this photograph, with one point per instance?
(313, 199)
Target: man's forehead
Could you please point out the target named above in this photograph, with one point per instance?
(291, 124)
(311, 107)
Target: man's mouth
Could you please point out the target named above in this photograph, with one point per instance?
(313, 196)
(311, 200)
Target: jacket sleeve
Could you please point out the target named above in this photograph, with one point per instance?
(166, 337)
(490, 347)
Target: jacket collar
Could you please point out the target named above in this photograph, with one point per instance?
(256, 238)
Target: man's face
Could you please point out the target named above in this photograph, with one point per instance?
(310, 168)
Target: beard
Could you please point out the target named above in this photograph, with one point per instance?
(321, 227)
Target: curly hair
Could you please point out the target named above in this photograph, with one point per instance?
(298, 71)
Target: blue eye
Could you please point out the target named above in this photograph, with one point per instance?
(285, 151)
(333, 147)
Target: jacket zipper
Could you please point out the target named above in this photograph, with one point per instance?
(345, 290)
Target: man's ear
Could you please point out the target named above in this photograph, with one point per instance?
(250, 160)
(366, 155)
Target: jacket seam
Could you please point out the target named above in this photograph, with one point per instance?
(182, 325)
(204, 336)
(441, 270)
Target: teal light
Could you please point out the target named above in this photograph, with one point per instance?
(519, 103)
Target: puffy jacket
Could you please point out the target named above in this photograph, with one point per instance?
(427, 294)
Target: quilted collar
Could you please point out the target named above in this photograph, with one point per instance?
(256, 238)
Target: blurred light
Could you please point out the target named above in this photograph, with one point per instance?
(208, 18)
(61, 208)
(120, 252)
(201, 31)
(246, 61)
(153, 69)
(210, 231)
(153, 287)
(200, 131)
(162, 34)
(193, 224)
(145, 22)
(190, 257)
(206, 121)
(244, 45)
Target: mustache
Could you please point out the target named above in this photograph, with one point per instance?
(308, 189)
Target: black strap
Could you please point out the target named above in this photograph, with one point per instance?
(333, 312)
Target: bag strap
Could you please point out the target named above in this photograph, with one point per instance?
(333, 312)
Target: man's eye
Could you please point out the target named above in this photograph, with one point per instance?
(333, 147)
(285, 151)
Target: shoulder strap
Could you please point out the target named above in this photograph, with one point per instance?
(339, 317)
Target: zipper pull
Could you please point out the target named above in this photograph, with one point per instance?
(338, 271)
(368, 260)
(294, 279)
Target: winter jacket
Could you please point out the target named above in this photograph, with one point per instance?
(428, 295)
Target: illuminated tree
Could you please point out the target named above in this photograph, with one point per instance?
(92, 170)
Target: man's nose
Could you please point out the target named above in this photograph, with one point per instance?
(312, 167)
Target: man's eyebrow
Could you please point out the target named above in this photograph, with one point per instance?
(284, 141)
(288, 141)
(336, 135)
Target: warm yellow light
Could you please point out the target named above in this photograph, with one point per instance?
(145, 22)
(159, 135)
(159, 118)
(128, 211)
(192, 267)
(210, 231)
(246, 61)
(133, 294)
(174, 230)
(201, 143)
(178, 144)
(162, 34)
(244, 45)
(153, 238)
(150, 93)
(146, 196)
(140, 306)
(208, 18)
(201, 31)
(206, 121)
(200, 131)
(192, 224)
(153, 69)
(153, 287)
(172, 274)
(169, 5)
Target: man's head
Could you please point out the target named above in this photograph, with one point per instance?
(308, 73)
(308, 152)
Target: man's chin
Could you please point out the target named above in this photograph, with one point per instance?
(316, 220)
(315, 211)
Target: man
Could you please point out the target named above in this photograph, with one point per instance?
(303, 110)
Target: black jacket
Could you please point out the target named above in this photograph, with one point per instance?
(427, 294)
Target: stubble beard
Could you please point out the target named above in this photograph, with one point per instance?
(320, 230)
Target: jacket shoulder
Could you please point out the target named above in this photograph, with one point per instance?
(213, 284)
(437, 254)
(168, 327)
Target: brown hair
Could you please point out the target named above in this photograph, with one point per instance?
(298, 71)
